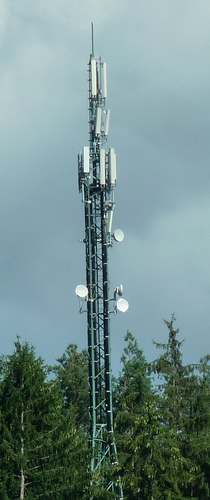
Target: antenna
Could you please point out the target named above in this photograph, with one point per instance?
(81, 291)
(97, 173)
(122, 305)
(92, 37)
(118, 235)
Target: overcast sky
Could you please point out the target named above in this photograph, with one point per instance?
(159, 77)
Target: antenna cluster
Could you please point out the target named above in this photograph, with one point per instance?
(97, 176)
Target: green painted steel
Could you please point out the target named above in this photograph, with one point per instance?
(97, 187)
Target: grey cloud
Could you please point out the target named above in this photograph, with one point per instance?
(157, 56)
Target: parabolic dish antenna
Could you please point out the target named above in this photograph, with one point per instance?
(118, 235)
(81, 291)
(122, 305)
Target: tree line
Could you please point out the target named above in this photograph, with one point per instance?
(161, 415)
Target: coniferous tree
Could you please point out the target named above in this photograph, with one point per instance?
(171, 373)
(132, 391)
(149, 453)
(72, 375)
(196, 445)
(42, 452)
(180, 400)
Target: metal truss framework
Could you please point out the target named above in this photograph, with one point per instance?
(97, 179)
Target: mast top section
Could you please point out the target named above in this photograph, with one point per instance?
(92, 39)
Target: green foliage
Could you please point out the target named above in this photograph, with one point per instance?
(162, 426)
(197, 439)
(72, 374)
(151, 460)
(183, 401)
(38, 441)
(133, 384)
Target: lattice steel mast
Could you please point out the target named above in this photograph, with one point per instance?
(97, 180)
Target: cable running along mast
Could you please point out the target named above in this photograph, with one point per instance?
(97, 180)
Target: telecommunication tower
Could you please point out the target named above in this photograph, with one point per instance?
(97, 181)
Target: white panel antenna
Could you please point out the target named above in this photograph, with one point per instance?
(80, 172)
(112, 167)
(107, 119)
(86, 160)
(109, 220)
(98, 120)
(81, 291)
(93, 77)
(104, 79)
(102, 167)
